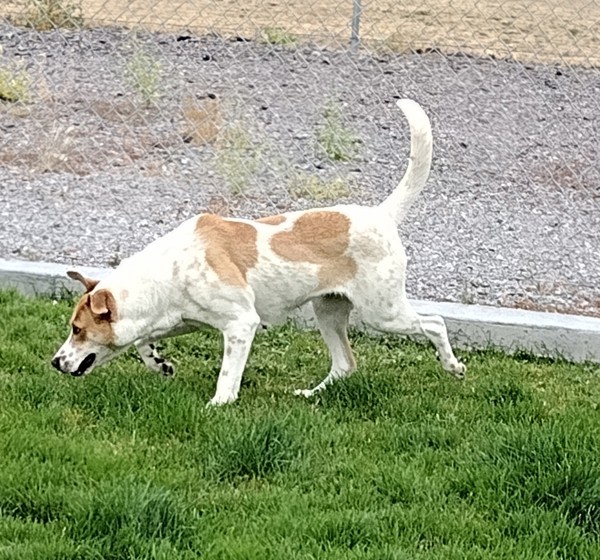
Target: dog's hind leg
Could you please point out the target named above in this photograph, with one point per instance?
(332, 313)
(401, 318)
(153, 360)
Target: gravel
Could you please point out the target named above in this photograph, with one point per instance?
(89, 173)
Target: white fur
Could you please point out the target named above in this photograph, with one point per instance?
(168, 288)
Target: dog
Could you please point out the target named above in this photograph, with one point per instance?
(236, 274)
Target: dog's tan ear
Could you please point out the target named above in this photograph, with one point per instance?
(103, 302)
(87, 282)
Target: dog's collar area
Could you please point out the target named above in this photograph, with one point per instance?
(84, 365)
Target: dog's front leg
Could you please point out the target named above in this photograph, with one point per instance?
(153, 360)
(238, 339)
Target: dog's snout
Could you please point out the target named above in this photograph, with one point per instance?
(56, 362)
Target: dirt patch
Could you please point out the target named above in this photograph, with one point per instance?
(108, 134)
(576, 174)
(566, 32)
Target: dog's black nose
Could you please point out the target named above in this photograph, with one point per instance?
(56, 362)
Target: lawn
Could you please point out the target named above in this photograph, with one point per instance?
(400, 461)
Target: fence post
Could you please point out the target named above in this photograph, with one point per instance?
(355, 33)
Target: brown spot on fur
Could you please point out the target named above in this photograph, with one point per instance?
(321, 238)
(272, 220)
(91, 325)
(124, 294)
(230, 247)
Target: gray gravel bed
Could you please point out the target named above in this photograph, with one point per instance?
(511, 215)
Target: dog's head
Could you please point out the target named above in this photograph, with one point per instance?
(92, 339)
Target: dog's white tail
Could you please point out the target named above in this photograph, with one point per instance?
(417, 172)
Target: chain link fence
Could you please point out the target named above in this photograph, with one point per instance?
(120, 119)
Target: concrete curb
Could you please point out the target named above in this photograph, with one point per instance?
(571, 337)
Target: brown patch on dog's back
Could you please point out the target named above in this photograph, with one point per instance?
(272, 220)
(321, 238)
(94, 326)
(230, 247)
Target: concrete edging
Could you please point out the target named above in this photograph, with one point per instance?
(572, 337)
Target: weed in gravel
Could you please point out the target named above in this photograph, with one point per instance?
(203, 119)
(314, 188)
(218, 205)
(335, 140)
(237, 156)
(45, 15)
(277, 36)
(14, 85)
(468, 293)
(54, 150)
(143, 72)
(116, 258)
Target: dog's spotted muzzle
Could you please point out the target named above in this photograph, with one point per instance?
(83, 367)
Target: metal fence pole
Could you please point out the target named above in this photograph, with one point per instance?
(355, 33)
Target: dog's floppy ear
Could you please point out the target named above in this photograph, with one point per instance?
(102, 302)
(87, 282)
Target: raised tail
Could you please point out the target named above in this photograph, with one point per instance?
(419, 164)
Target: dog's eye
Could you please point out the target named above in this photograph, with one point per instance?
(76, 330)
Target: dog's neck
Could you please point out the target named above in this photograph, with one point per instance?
(144, 305)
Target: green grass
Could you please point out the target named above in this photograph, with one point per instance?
(335, 141)
(277, 36)
(15, 85)
(144, 72)
(304, 185)
(400, 461)
(237, 156)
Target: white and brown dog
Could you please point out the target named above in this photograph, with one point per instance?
(235, 274)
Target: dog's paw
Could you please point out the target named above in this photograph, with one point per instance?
(458, 370)
(153, 359)
(304, 393)
(220, 400)
(167, 369)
